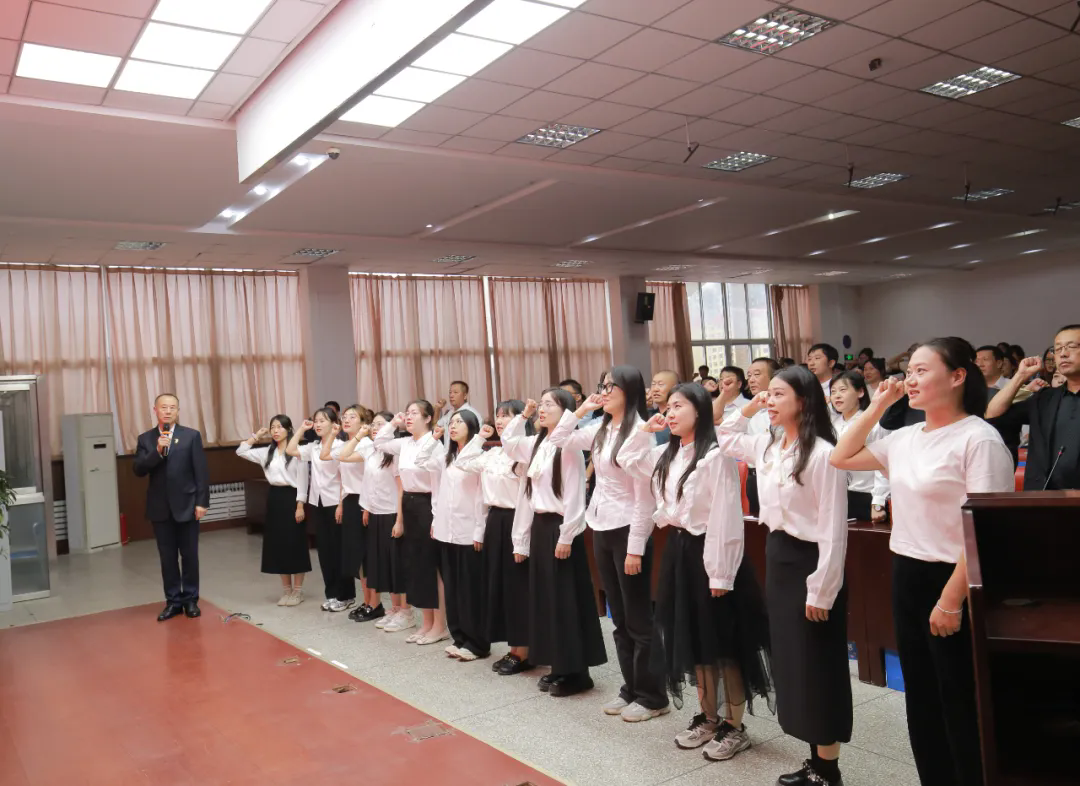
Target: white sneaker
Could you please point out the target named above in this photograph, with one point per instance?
(700, 731)
(296, 598)
(326, 604)
(635, 713)
(453, 651)
(727, 742)
(285, 598)
(403, 621)
(385, 620)
(615, 706)
(341, 605)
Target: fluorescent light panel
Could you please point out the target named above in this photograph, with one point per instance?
(986, 193)
(162, 80)
(878, 180)
(1025, 233)
(462, 54)
(830, 273)
(382, 111)
(1033, 251)
(776, 30)
(315, 253)
(737, 162)
(1074, 123)
(226, 16)
(558, 135)
(139, 245)
(419, 84)
(512, 21)
(572, 263)
(454, 258)
(183, 46)
(672, 268)
(53, 64)
(970, 83)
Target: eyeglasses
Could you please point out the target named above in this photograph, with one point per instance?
(610, 386)
(1061, 349)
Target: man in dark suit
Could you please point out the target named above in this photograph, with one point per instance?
(178, 497)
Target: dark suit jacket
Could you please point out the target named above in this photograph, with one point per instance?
(179, 481)
(1039, 412)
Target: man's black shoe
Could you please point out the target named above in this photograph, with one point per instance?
(169, 612)
(191, 609)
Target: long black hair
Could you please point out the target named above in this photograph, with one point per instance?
(565, 400)
(813, 420)
(704, 438)
(426, 410)
(744, 391)
(512, 407)
(286, 423)
(857, 382)
(957, 353)
(388, 458)
(629, 380)
(472, 423)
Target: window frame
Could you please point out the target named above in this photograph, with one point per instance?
(699, 347)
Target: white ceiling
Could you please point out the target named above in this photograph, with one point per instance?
(86, 167)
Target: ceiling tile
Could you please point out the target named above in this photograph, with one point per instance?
(209, 111)
(85, 31)
(652, 123)
(709, 19)
(1030, 6)
(601, 114)
(837, 43)
(658, 150)
(1025, 35)
(767, 73)
(897, 17)
(795, 147)
(836, 9)
(56, 91)
(141, 102)
(705, 101)
(648, 50)
(941, 114)
(575, 157)
(609, 143)
(1051, 55)
(254, 57)
(1009, 93)
(640, 12)
(813, 87)
(703, 131)
(406, 136)
(8, 52)
(356, 130)
(863, 95)
(543, 106)
(931, 143)
(479, 95)
(1052, 97)
(616, 162)
(4, 82)
(929, 71)
(964, 25)
(472, 145)
(753, 110)
(1068, 74)
(528, 68)
(137, 8)
(895, 55)
(751, 140)
(841, 128)
(878, 134)
(534, 152)
(442, 120)
(286, 19)
(508, 129)
(13, 18)
(227, 89)
(581, 35)
(710, 62)
(593, 80)
(907, 103)
(1062, 15)
(651, 91)
(799, 119)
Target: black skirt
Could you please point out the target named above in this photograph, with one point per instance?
(810, 661)
(463, 584)
(858, 505)
(564, 627)
(506, 612)
(691, 628)
(385, 568)
(285, 544)
(421, 551)
(752, 500)
(353, 537)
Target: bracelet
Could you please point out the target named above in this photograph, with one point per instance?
(946, 611)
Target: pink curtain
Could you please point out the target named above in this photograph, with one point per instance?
(544, 331)
(51, 324)
(416, 335)
(669, 330)
(792, 322)
(227, 344)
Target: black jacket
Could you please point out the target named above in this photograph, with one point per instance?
(179, 481)
(1040, 412)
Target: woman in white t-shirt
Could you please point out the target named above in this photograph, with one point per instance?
(932, 467)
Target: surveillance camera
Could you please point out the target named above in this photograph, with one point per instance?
(334, 153)
(875, 64)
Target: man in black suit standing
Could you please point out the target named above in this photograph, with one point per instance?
(178, 497)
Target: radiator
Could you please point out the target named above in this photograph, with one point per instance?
(59, 509)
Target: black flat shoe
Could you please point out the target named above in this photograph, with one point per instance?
(807, 776)
(371, 614)
(571, 685)
(191, 609)
(545, 682)
(169, 612)
(359, 612)
(512, 664)
(497, 664)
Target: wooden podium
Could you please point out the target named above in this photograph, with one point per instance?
(1023, 553)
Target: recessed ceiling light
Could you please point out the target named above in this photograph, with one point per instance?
(227, 213)
(260, 190)
(1074, 123)
(959, 245)
(900, 275)
(1025, 233)
(841, 214)
(974, 261)
(419, 84)
(571, 263)
(831, 273)
(776, 30)
(139, 245)
(943, 224)
(454, 258)
(671, 268)
(315, 253)
(183, 46)
(970, 83)
(816, 253)
(878, 180)
(737, 162)
(558, 135)
(429, 226)
(512, 21)
(986, 193)
(53, 64)
(902, 256)
(1033, 251)
(300, 160)
(162, 80)
(382, 111)
(873, 240)
(462, 54)
(234, 16)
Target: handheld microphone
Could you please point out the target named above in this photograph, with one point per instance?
(1050, 474)
(168, 432)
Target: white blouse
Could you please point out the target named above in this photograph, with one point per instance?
(352, 475)
(759, 424)
(277, 474)
(932, 473)
(502, 486)
(874, 483)
(459, 506)
(325, 478)
(380, 483)
(814, 511)
(571, 506)
(412, 454)
(622, 497)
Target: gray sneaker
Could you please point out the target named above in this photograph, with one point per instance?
(635, 713)
(727, 742)
(615, 706)
(700, 731)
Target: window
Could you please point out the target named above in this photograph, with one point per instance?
(730, 324)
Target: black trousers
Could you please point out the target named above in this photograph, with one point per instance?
(462, 569)
(751, 491)
(939, 678)
(178, 548)
(336, 584)
(630, 600)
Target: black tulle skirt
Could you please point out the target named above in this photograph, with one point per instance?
(353, 536)
(691, 628)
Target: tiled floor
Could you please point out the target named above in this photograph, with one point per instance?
(568, 738)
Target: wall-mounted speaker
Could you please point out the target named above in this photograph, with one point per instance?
(646, 301)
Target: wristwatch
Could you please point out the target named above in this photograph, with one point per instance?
(879, 508)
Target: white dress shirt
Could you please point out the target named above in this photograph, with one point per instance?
(411, 455)
(571, 505)
(503, 487)
(352, 474)
(325, 477)
(759, 424)
(444, 421)
(874, 483)
(826, 388)
(459, 505)
(622, 497)
(380, 483)
(277, 474)
(814, 511)
(738, 404)
(932, 472)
